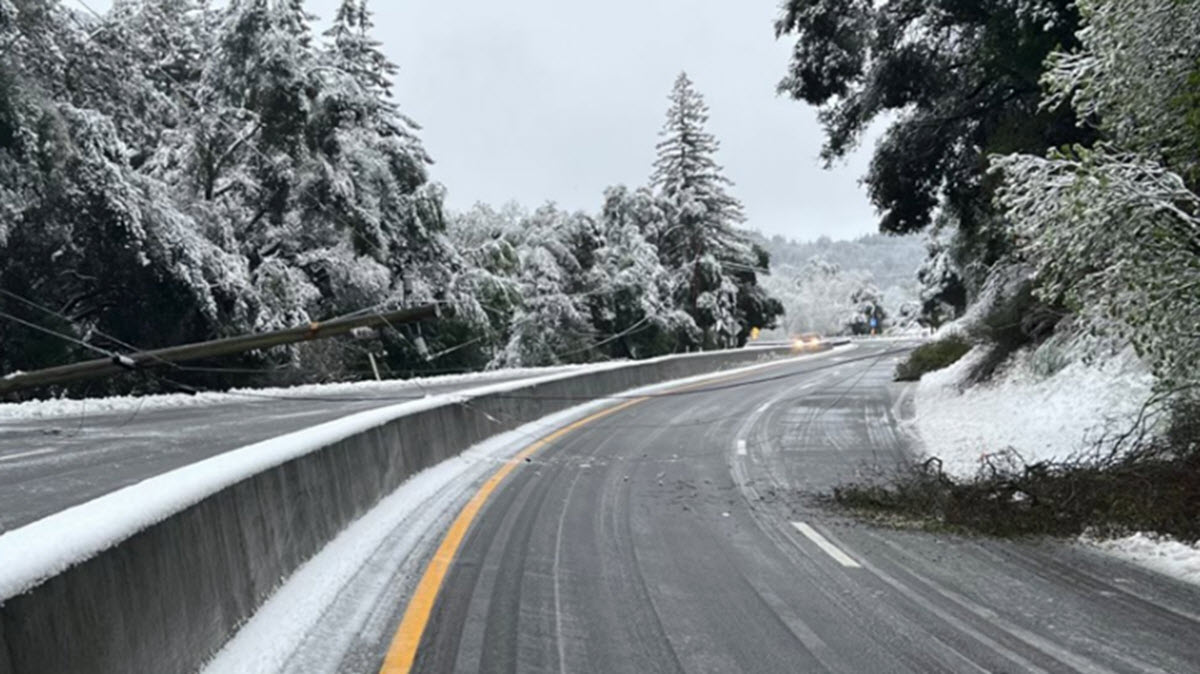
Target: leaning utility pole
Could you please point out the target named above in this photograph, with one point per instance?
(141, 360)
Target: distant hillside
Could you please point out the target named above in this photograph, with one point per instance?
(890, 260)
(821, 303)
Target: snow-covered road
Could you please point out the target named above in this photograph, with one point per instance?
(681, 533)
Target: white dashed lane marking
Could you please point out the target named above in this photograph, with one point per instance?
(829, 548)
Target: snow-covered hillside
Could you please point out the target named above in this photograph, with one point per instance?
(1037, 416)
(1027, 414)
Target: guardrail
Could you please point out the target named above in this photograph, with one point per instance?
(157, 576)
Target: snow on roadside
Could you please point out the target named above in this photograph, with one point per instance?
(69, 407)
(266, 642)
(1158, 553)
(1044, 418)
(1038, 417)
(898, 336)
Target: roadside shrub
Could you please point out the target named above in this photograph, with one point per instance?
(1050, 358)
(932, 356)
(1131, 482)
(1016, 320)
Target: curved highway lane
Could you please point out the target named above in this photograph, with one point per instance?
(684, 534)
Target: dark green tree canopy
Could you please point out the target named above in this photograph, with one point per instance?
(959, 78)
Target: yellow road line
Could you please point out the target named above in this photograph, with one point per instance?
(402, 652)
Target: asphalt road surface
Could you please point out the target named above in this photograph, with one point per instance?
(47, 465)
(683, 534)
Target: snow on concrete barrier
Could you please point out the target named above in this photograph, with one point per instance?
(156, 576)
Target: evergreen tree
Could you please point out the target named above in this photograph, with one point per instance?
(701, 238)
(81, 230)
(291, 18)
(371, 177)
(353, 49)
(636, 315)
(210, 167)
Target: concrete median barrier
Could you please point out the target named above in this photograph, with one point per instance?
(166, 591)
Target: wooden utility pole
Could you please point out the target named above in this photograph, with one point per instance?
(103, 367)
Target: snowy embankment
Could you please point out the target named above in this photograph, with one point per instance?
(68, 407)
(1034, 416)
(1043, 417)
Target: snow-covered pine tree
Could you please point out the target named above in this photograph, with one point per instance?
(257, 94)
(701, 238)
(353, 48)
(372, 176)
(292, 18)
(551, 323)
(633, 307)
(81, 230)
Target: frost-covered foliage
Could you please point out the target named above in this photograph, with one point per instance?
(951, 82)
(639, 303)
(890, 259)
(551, 322)
(816, 296)
(562, 287)
(82, 229)
(954, 80)
(942, 292)
(1117, 238)
(658, 269)
(712, 261)
(1114, 230)
(1135, 75)
(867, 315)
(177, 170)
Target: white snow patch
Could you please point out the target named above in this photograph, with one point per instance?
(70, 407)
(919, 336)
(1037, 417)
(1158, 553)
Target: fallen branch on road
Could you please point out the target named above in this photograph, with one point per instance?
(1130, 482)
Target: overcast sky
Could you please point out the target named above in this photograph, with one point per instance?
(536, 100)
